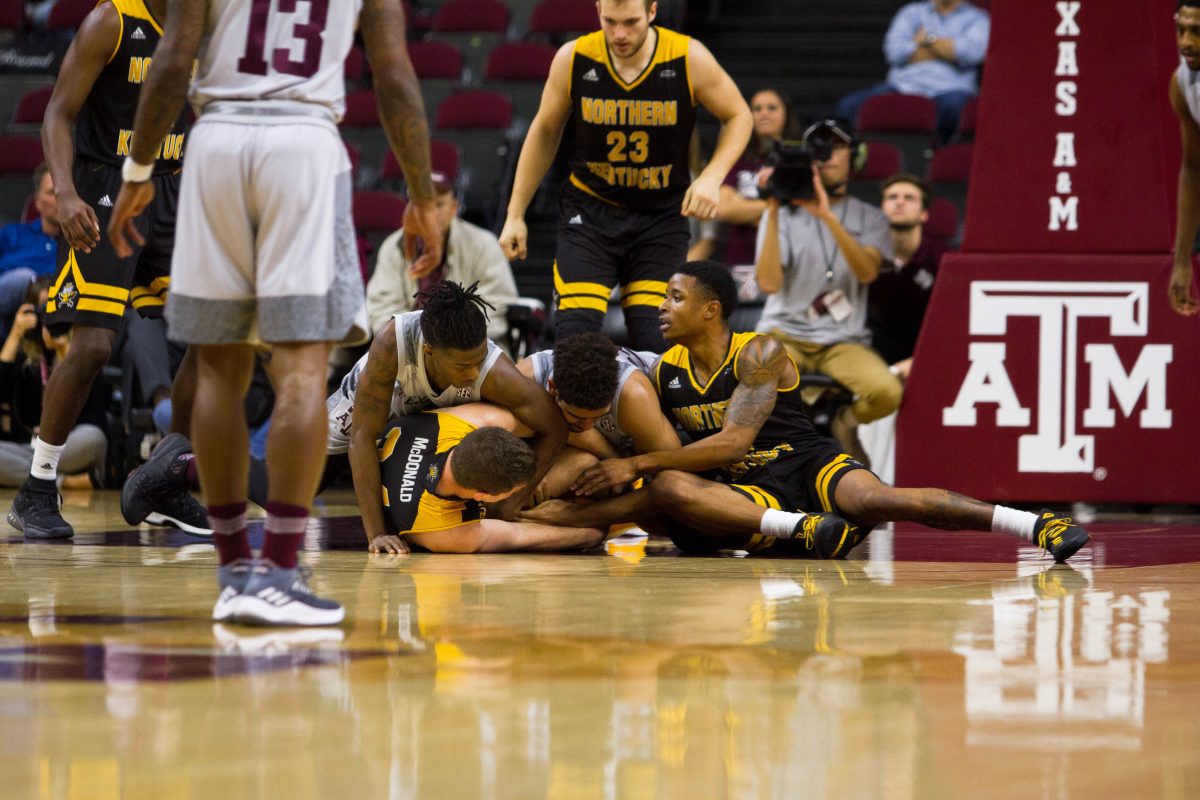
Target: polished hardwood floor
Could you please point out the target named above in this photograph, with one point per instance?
(929, 665)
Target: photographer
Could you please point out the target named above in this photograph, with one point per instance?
(818, 250)
(27, 357)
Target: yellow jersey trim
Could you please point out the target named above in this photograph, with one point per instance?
(791, 361)
(138, 10)
(668, 47)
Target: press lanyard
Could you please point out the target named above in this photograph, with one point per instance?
(830, 258)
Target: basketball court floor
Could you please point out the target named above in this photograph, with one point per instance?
(929, 665)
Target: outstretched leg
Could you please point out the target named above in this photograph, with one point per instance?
(866, 501)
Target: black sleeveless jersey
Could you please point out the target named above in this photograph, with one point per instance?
(631, 139)
(700, 410)
(412, 459)
(104, 127)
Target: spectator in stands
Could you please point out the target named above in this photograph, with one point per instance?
(740, 205)
(934, 49)
(900, 295)
(28, 249)
(898, 299)
(814, 261)
(27, 357)
(471, 254)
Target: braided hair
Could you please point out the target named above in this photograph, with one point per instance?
(453, 317)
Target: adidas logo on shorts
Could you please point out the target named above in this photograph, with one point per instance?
(591, 75)
(576, 220)
(138, 33)
(105, 201)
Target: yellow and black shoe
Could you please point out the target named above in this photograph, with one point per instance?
(1059, 535)
(1059, 581)
(825, 535)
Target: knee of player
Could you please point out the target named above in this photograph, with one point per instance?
(90, 353)
(669, 488)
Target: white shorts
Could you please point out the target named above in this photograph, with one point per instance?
(264, 245)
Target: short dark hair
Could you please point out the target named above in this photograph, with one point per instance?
(716, 279)
(585, 370)
(493, 461)
(38, 174)
(1189, 3)
(908, 177)
(453, 317)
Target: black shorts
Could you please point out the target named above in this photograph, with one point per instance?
(95, 288)
(804, 479)
(601, 245)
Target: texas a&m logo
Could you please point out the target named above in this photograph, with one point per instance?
(1057, 443)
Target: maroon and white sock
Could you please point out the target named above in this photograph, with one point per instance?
(229, 532)
(285, 532)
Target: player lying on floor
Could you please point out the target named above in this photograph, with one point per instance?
(756, 464)
(439, 468)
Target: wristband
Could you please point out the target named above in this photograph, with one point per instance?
(133, 172)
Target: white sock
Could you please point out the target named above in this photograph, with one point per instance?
(779, 524)
(1014, 522)
(45, 459)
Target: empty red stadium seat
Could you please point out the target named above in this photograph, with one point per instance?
(564, 16)
(362, 109)
(31, 108)
(356, 64)
(378, 212)
(968, 119)
(20, 154)
(12, 14)
(435, 60)
(67, 15)
(897, 112)
(474, 108)
(942, 223)
(520, 61)
(471, 15)
(444, 158)
(951, 164)
(883, 161)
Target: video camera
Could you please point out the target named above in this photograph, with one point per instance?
(793, 160)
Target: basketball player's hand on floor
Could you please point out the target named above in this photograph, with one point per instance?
(389, 544)
(603, 474)
(512, 238)
(420, 221)
(1181, 294)
(700, 201)
(134, 197)
(78, 223)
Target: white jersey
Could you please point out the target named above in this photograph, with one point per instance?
(412, 392)
(628, 362)
(256, 51)
(1189, 84)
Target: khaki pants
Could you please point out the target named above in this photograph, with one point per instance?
(860, 369)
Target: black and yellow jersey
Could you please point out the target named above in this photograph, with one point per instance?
(104, 127)
(700, 409)
(412, 457)
(631, 139)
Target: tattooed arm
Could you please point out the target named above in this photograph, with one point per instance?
(402, 112)
(372, 407)
(762, 367)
